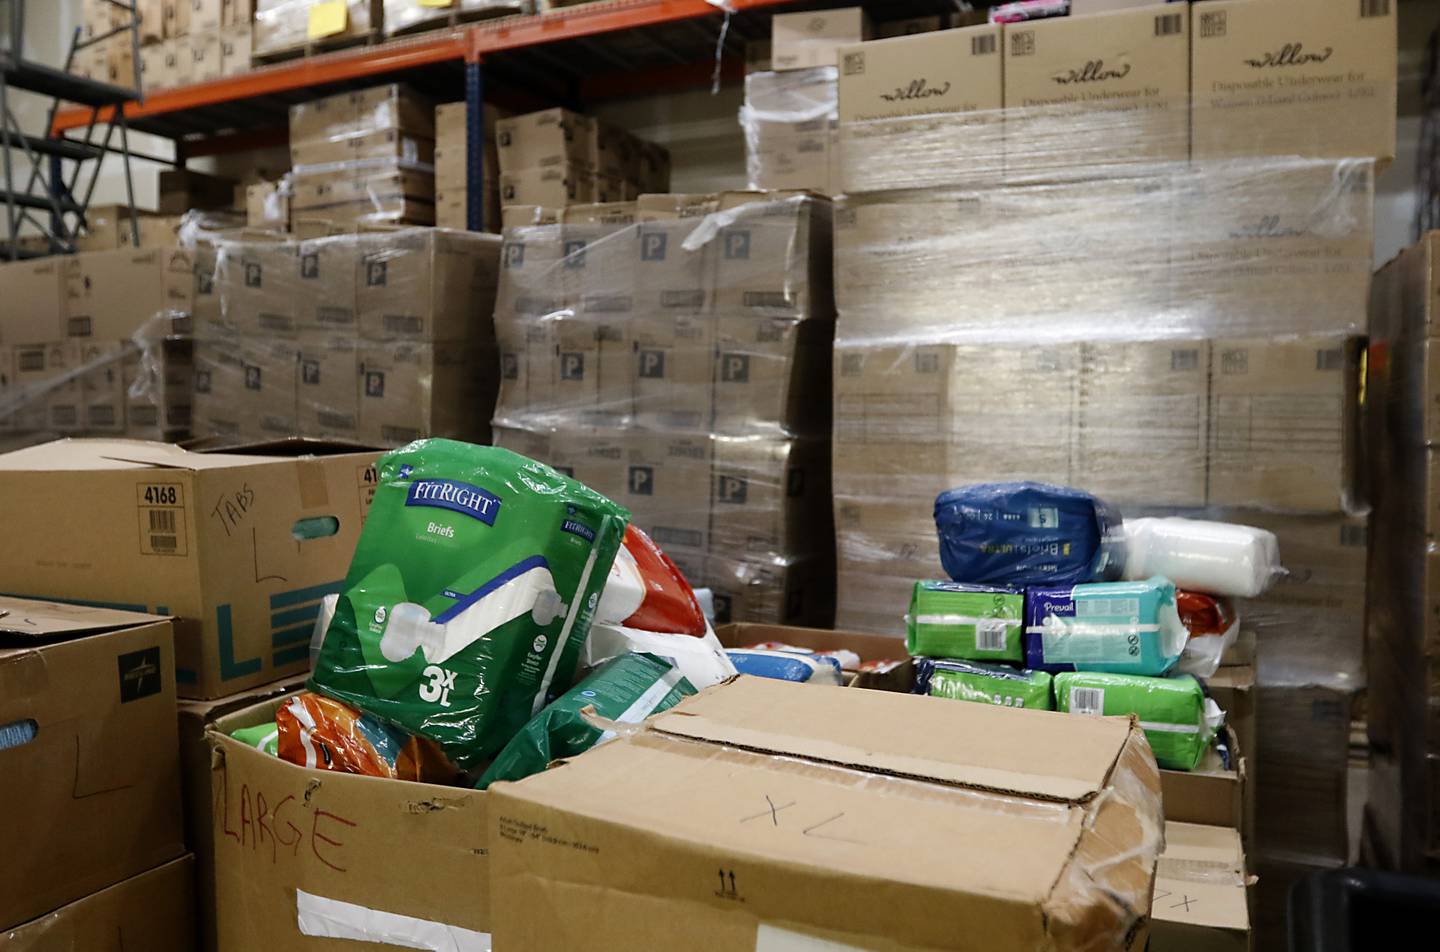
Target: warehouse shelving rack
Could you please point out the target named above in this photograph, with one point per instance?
(567, 56)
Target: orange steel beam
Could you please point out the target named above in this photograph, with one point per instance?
(296, 74)
(568, 23)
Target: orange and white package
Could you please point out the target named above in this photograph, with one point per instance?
(321, 732)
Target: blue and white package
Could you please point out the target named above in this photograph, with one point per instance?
(786, 665)
(1120, 627)
(1028, 534)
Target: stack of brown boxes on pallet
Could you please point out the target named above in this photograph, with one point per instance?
(674, 353)
(1402, 817)
(417, 16)
(452, 155)
(1035, 284)
(286, 28)
(191, 41)
(174, 525)
(365, 156)
(557, 157)
(379, 336)
(96, 343)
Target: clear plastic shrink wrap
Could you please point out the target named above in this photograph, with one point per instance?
(674, 353)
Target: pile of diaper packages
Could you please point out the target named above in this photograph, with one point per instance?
(497, 616)
(1055, 602)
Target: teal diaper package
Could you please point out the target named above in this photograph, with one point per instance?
(983, 683)
(1131, 627)
(1178, 719)
(957, 620)
(469, 596)
(625, 690)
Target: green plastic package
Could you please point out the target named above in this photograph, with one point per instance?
(263, 737)
(984, 683)
(1177, 717)
(626, 689)
(470, 594)
(956, 620)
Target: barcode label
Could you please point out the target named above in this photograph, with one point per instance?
(1374, 8)
(990, 634)
(162, 520)
(1212, 24)
(982, 45)
(1168, 24)
(853, 64)
(1022, 43)
(164, 544)
(1087, 700)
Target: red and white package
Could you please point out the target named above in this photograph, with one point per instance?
(647, 591)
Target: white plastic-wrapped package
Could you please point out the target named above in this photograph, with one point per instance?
(702, 660)
(1218, 558)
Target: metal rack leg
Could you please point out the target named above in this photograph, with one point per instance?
(129, 182)
(474, 148)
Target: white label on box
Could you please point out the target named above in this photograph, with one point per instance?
(770, 938)
(334, 919)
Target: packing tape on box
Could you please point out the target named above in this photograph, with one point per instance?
(336, 919)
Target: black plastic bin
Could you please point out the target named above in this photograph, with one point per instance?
(1353, 910)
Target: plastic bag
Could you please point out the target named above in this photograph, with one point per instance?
(786, 666)
(646, 590)
(701, 660)
(1218, 558)
(470, 594)
(1213, 625)
(847, 659)
(1130, 627)
(1027, 534)
(321, 733)
(263, 737)
(625, 690)
(1177, 717)
(955, 620)
(984, 683)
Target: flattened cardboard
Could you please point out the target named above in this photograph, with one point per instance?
(154, 911)
(869, 789)
(285, 834)
(206, 515)
(98, 686)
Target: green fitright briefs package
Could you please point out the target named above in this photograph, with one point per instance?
(470, 594)
(984, 683)
(1178, 719)
(626, 690)
(955, 620)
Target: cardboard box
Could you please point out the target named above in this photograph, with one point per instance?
(154, 910)
(205, 515)
(551, 186)
(679, 756)
(328, 388)
(426, 285)
(195, 717)
(772, 375)
(1284, 423)
(770, 496)
(205, 16)
(1201, 897)
(152, 21)
(953, 71)
(236, 12)
(262, 293)
(803, 161)
(911, 26)
(805, 40)
(236, 44)
(176, 14)
(790, 590)
(546, 139)
(668, 488)
(154, 71)
(867, 647)
(268, 404)
(181, 190)
(774, 257)
(1290, 78)
(266, 206)
(156, 231)
(410, 390)
(370, 146)
(670, 278)
(205, 58)
(177, 64)
(326, 863)
(34, 292)
(157, 393)
(109, 295)
(1142, 424)
(96, 687)
(1211, 794)
(33, 375)
(330, 270)
(1099, 90)
(673, 370)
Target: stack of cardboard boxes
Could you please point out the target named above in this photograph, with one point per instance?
(377, 336)
(365, 156)
(286, 28)
(452, 156)
(682, 369)
(1402, 817)
(191, 41)
(416, 16)
(97, 343)
(557, 158)
(1069, 292)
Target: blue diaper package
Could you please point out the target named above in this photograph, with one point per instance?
(1028, 534)
(1122, 627)
(786, 665)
